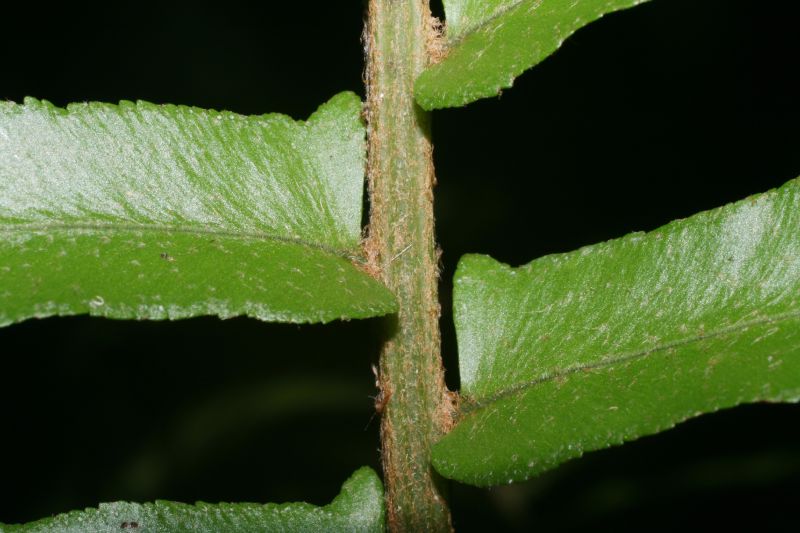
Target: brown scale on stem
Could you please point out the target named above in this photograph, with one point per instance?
(435, 43)
(384, 393)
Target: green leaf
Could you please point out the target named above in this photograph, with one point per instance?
(491, 42)
(149, 211)
(359, 507)
(580, 351)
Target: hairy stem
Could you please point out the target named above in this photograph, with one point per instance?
(401, 249)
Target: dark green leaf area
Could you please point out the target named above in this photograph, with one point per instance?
(489, 43)
(556, 420)
(358, 508)
(579, 351)
(171, 275)
(146, 211)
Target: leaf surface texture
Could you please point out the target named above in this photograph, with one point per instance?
(358, 508)
(158, 211)
(584, 350)
(491, 42)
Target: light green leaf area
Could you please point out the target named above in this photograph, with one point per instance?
(159, 211)
(584, 350)
(491, 42)
(358, 508)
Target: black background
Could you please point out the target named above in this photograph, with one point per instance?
(649, 115)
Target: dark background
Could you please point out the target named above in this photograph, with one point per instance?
(649, 115)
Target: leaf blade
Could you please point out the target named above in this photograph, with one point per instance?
(359, 507)
(491, 43)
(578, 351)
(143, 182)
(173, 276)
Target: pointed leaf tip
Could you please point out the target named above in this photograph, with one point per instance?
(491, 42)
